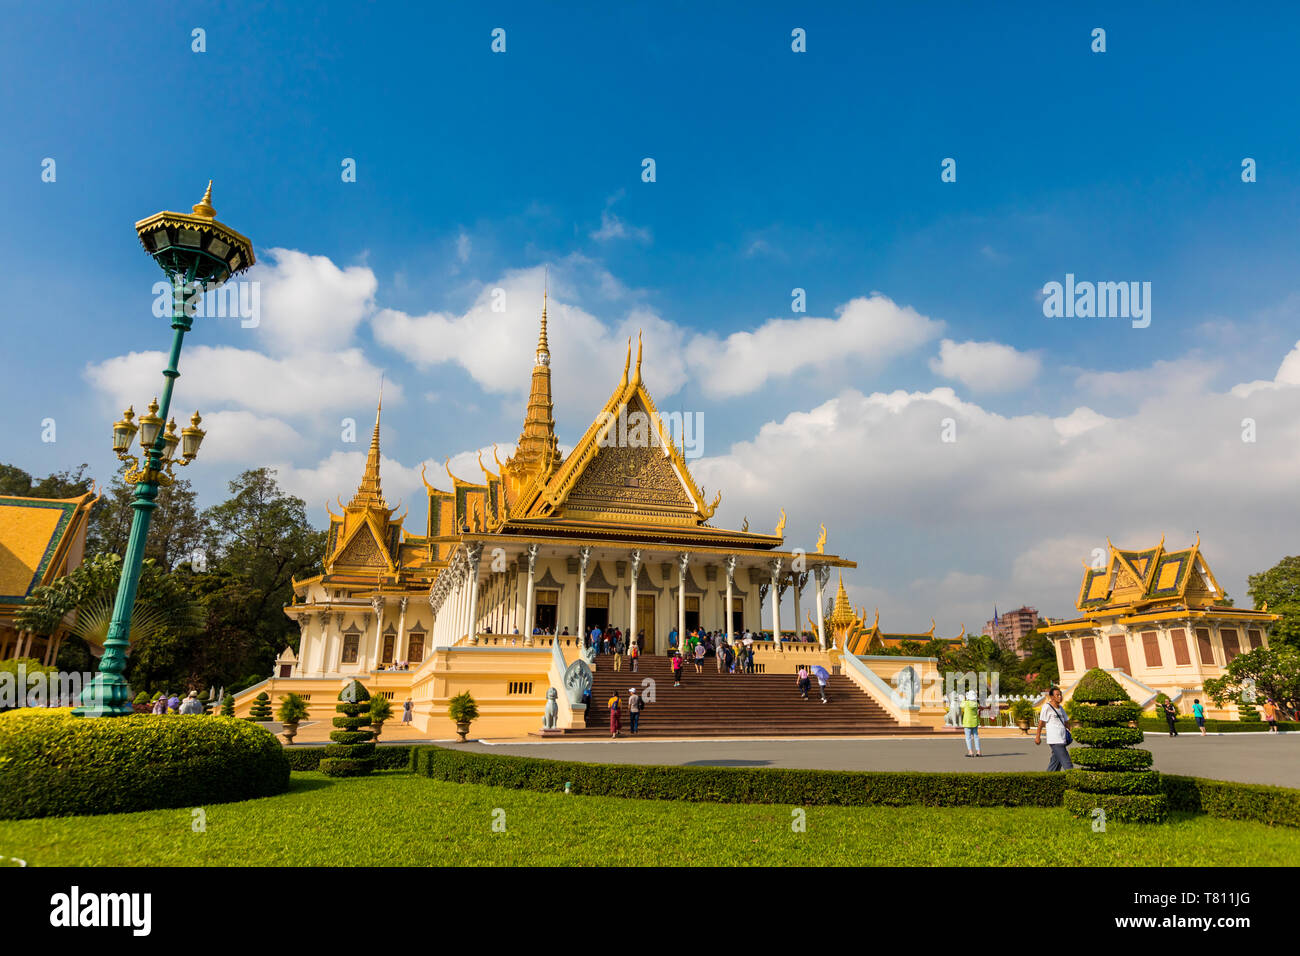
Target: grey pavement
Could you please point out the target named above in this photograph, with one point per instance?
(1246, 757)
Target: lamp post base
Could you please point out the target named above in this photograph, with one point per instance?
(108, 695)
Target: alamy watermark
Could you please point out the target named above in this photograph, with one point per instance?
(1101, 300)
(39, 689)
(240, 299)
(639, 429)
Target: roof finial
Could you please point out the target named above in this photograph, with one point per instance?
(369, 491)
(541, 339)
(636, 377)
(627, 363)
(204, 206)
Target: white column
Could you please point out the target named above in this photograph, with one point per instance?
(371, 660)
(776, 602)
(336, 652)
(528, 595)
(584, 555)
(635, 567)
(474, 552)
(399, 649)
(730, 568)
(800, 578)
(821, 574)
(682, 560)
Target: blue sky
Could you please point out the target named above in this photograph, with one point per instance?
(775, 170)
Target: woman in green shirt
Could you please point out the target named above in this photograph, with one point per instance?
(970, 722)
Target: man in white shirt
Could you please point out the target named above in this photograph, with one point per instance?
(1055, 719)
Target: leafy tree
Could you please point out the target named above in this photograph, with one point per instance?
(1279, 588)
(60, 484)
(257, 542)
(1270, 671)
(176, 527)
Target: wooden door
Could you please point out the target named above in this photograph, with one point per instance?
(645, 621)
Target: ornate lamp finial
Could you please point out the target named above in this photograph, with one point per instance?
(204, 206)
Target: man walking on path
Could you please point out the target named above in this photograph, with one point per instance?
(1054, 718)
(1171, 715)
(633, 709)
(970, 722)
(1198, 712)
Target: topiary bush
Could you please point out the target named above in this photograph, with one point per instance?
(1112, 775)
(352, 753)
(261, 709)
(54, 764)
(228, 706)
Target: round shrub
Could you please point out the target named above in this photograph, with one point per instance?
(54, 764)
(1134, 808)
(1100, 781)
(1118, 759)
(1108, 736)
(352, 754)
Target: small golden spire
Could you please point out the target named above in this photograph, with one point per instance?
(369, 491)
(636, 376)
(204, 206)
(627, 363)
(542, 345)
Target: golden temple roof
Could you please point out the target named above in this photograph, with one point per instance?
(40, 539)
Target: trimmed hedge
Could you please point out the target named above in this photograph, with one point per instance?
(1111, 759)
(54, 764)
(387, 757)
(1099, 781)
(1125, 807)
(1122, 713)
(1108, 736)
(1214, 726)
(1276, 806)
(744, 785)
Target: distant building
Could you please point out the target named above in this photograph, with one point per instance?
(1009, 629)
(1157, 620)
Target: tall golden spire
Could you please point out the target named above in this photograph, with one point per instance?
(369, 492)
(538, 449)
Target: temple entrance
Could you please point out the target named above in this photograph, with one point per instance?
(548, 605)
(692, 613)
(645, 620)
(598, 609)
(737, 615)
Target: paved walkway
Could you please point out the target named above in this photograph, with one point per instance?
(1247, 757)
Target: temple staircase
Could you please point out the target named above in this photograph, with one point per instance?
(734, 705)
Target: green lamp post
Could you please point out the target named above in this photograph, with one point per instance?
(198, 254)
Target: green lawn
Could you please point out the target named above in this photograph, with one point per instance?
(397, 818)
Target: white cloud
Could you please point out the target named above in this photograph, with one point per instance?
(1018, 500)
(219, 376)
(612, 227)
(309, 303)
(870, 330)
(1288, 374)
(985, 366)
(463, 246)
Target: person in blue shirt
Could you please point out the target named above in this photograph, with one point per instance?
(1199, 713)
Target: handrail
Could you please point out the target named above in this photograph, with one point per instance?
(877, 689)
